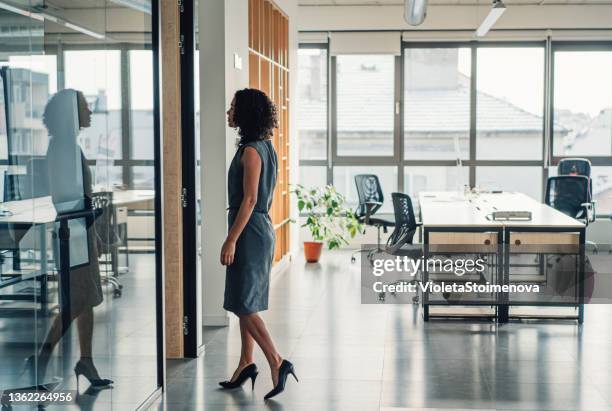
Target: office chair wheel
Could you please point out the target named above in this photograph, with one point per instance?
(415, 300)
(117, 293)
(120, 286)
(381, 297)
(353, 259)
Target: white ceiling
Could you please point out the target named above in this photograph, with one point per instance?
(454, 2)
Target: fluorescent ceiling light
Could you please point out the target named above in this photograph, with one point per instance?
(494, 14)
(20, 11)
(83, 30)
(143, 6)
(42, 16)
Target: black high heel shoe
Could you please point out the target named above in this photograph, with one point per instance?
(250, 371)
(90, 372)
(285, 369)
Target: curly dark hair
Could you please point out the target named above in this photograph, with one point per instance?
(255, 115)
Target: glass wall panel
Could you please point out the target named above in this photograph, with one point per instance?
(141, 107)
(344, 181)
(582, 107)
(312, 103)
(77, 261)
(365, 105)
(436, 103)
(97, 74)
(510, 103)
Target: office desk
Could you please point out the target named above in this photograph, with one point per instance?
(449, 218)
(39, 214)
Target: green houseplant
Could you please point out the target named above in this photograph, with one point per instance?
(328, 219)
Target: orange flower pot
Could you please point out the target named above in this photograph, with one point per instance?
(312, 251)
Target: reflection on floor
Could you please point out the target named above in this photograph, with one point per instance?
(350, 356)
(124, 344)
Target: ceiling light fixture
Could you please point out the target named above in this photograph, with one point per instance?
(415, 11)
(20, 11)
(494, 14)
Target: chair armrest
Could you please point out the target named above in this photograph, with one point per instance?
(370, 205)
(590, 211)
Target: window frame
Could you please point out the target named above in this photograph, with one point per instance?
(398, 159)
(578, 46)
(341, 160)
(126, 163)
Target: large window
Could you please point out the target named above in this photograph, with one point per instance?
(468, 113)
(364, 100)
(582, 112)
(510, 103)
(312, 103)
(437, 103)
(97, 73)
(583, 103)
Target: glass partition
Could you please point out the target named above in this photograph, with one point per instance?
(78, 271)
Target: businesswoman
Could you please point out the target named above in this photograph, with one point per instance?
(70, 186)
(249, 247)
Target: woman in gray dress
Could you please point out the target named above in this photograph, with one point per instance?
(249, 248)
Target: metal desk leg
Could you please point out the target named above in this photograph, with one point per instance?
(44, 284)
(64, 273)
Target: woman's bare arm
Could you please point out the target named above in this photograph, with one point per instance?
(251, 166)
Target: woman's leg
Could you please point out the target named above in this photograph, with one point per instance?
(246, 351)
(85, 322)
(85, 326)
(257, 329)
(56, 332)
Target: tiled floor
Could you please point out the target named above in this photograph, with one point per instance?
(124, 345)
(350, 356)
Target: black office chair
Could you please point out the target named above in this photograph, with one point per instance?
(16, 187)
(107, 238)
(572, 196)
(369, 192)
(574, 166)
(406, 226)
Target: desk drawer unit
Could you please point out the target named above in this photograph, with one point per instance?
(467, 238)
(562, 243)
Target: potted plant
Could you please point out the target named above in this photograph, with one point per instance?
(329, 221)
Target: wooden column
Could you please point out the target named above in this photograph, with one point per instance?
(172, 180)
(269, 72)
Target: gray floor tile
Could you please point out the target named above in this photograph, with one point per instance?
(350, 356)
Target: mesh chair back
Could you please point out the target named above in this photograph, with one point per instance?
(104, 226)
(368, 190)
(17, 187)
(568, 194)
(405, 221)
(574, 167)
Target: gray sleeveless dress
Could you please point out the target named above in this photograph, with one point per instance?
(247, 279)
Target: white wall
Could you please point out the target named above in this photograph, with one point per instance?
(224, 33)
(457, 17)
